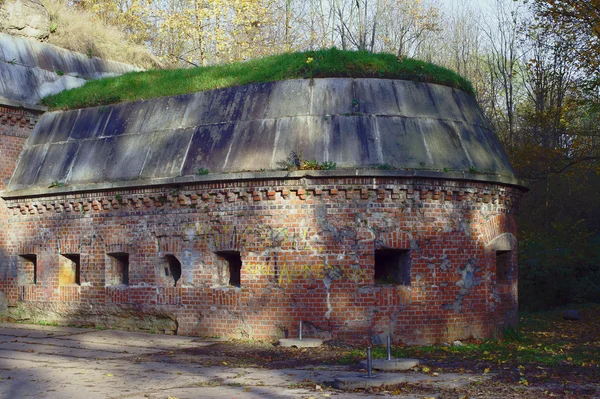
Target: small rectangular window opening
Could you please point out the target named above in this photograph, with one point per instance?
(392, 266)
(69, 269)
(503, 265)
(234, 264)
(30, 267)
(118, 272)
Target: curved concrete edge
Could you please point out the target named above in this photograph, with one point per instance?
(400, 364)
(363, 381)
(264, 175)
(300, 343)
(45, 56)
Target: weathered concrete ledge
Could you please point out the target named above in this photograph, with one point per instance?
(270, 175)
(361, 125)
(300, 342)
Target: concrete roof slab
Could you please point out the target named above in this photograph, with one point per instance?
(404, 145)
(128, 156)
(253, 146)
(302, 135)
(415, 99)
(126, 118)
(57, 163)
(20, 50)
(375, 96)
(20, 83)
(444, 148)
(469, 109)
(28, 167)
(90, 164)
(485, 150)
(165, 113)
(209, 148)
(167, 153)
(61, 127)
(286, 98)
(90, 123)
(331, 96)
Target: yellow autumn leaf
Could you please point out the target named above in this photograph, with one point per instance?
(486, 370)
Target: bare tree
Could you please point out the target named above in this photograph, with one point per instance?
(503, 64)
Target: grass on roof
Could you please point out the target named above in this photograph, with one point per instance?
(311, 64)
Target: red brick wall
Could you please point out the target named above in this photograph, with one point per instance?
(15, 126)
(307, 248)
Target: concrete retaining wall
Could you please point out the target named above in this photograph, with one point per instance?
(31, 70)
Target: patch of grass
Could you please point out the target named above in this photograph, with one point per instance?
(325, 63)
(542, 339)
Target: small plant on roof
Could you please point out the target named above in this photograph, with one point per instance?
(295, 161)
(56, 184)
(292, 162)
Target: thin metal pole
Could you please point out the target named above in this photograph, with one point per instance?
(369, 362)
(389, 347)
(300, 333)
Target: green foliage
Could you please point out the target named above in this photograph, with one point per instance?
(327, 165)
(59, 72)
(56, 184)
(325, 63)
(201, 172)
(295, 161)
(541, 339)
(558, 267)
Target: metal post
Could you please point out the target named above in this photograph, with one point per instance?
(389, 347)
(300, 333)
(369, 362)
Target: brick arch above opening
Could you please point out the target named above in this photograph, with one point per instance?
(503, 242)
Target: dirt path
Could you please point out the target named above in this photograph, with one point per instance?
(55, 362)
